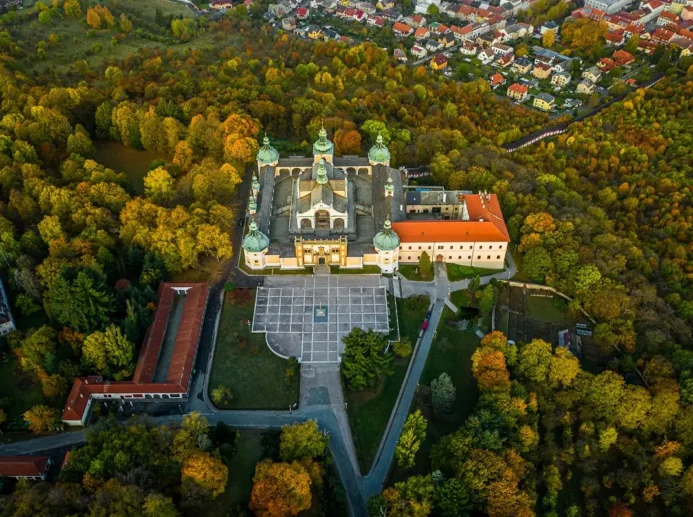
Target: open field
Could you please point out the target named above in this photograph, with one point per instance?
(370, 409)
(244, 362)
(411, 272)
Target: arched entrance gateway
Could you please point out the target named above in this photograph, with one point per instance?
(338, 224)
(322, 219)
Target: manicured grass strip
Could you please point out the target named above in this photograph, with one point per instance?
(365, 270)
(411, 272)
(256, 380)
(460, 272)
(242, 467)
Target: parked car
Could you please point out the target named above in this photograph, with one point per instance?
(424, 326)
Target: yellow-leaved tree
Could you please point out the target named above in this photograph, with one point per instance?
(207, 471)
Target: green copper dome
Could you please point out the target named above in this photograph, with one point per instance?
(255, 184)
(252, 204)
(255, 241)
(322, 178)
(322, 145)
(267, 154)
(386, 239)
(379, 152)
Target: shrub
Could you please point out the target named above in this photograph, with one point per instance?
(222, 396)
(255, 350)
(402, 348)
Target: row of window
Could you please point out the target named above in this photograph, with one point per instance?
(471, 247)
(459, 257)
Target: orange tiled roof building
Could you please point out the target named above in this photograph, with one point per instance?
(353, 211)
(166, 361)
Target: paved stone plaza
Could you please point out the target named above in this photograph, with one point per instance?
(291, 310)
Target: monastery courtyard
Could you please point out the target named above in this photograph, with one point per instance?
(307, 316)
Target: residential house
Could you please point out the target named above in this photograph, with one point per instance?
(401, 30)
(623, 58)
(400, 55)
(6, 320)
(289, 24)
(486, 40)
(486, 56)
(315, 33)
(560, 79)
(542, 71)
(517, 91)
(550, 26)
(393, 14)
(376, 21)
(593, 74)
(562, 66)
(605, 64)
(418, 20)
(422, 33)
(662, 36)
(468, 48)
(496, 80)
(441, 29)
(615, 38)
(585, 87)
(506, 60)
(522, 65)
(466, 13)
(439, 62)
(544, 101)
(33, 468)
(447, 40)
(433, 46)
(687, 13)
(385, 4)
(221, 4)
(418, 51)
(608, 6)
(516, 31)
(302, 13)
(667, 18)
(462, 33)
(500, 49)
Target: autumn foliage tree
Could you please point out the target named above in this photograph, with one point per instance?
(280, 489)
(206, 471)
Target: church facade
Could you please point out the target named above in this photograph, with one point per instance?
(354, 211)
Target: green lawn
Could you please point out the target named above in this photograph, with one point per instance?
(369, 410)
(365, 270)
(411, 272)
(256, 381)
(242, 468)
(459, 272)
(545, 308)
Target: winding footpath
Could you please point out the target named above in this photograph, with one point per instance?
(321, 397)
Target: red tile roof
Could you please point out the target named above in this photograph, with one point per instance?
(518, 88)
(623, 58)
(440, 59)
(182, 359)
(497, 79)
(485, 224)
(23, 466)
(401, 28)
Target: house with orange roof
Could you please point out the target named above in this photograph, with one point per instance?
(622, 58)
(422, 33)
(32, 468)
(496, 80)
(401, 30)
(605, 64)
(164, 369)
(518, 91)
